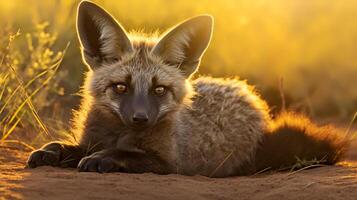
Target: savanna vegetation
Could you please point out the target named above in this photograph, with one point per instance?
(304, 50)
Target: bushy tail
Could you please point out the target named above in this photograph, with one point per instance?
(293, 141)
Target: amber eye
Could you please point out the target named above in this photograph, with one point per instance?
(120, 88)
(160, 90)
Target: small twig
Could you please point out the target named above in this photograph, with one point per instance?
(261, 171)
(347, 133)
(19, 142)
(90, 147)
(220, 165)
(304, 168)
(282, 95)
(67, 159)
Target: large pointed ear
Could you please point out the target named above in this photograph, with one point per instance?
(102, 38)
(185, 44)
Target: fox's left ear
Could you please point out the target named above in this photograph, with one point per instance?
(185, 44)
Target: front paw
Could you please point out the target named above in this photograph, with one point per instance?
(42, 158)
(101, 164)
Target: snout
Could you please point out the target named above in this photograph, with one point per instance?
(138, 111)
(140, 118)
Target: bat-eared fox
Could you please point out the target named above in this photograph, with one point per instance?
(142, 111)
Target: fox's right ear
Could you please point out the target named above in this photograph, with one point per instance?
(102, 38)
(184, 45)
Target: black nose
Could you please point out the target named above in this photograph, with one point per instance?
(140, 117)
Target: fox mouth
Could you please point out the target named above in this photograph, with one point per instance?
(139, 128)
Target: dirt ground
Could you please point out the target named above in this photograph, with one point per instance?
(332, 182)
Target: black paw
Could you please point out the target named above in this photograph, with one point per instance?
(42, 158)
(95, 163)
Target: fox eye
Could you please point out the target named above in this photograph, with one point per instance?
(120, 88)
(160, 90)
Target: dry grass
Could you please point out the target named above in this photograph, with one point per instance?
(26, 76)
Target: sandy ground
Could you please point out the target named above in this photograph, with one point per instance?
(332, 182)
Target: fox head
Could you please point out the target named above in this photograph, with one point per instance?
(141, 80)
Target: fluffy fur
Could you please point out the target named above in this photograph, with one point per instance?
(208, 126)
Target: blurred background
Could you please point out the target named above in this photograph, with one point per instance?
(305, 49)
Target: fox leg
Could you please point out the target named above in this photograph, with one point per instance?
(115, 160)
(56, 154)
